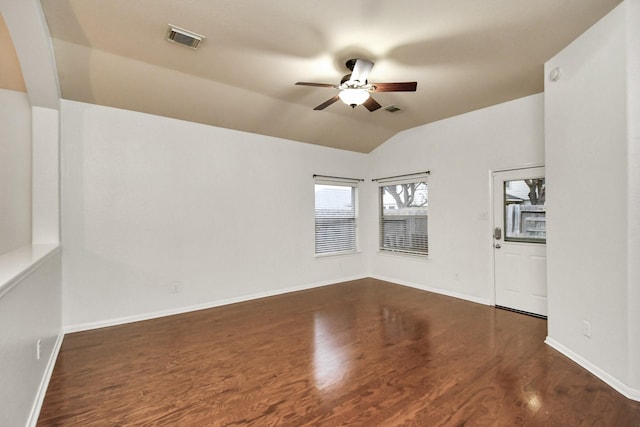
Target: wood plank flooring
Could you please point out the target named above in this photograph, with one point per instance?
(364, 353)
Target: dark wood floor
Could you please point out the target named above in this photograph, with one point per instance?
(360, 353)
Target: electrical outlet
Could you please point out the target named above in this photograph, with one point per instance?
(176, 287)
(38, 345)
(586, 328)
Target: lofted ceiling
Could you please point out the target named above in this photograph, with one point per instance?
(10, 71)
(464, 54)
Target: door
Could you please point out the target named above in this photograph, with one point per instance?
(519, 240)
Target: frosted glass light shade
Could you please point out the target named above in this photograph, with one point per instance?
(353, 97)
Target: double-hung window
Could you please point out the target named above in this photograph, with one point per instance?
(404, 213)
(335, 215)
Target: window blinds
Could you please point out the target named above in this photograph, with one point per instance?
(335, 215)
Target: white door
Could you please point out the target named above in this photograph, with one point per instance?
(519, 240)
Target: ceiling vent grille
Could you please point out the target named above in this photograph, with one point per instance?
(184, 37)
(393, 108)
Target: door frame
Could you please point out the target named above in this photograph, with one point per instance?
(492, 193)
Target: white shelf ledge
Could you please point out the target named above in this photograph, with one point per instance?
(17, 264)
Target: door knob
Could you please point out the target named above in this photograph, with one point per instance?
(498, 246)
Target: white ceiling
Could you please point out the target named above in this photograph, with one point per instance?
(464, 54)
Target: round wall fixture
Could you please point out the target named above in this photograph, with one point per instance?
(554, 75)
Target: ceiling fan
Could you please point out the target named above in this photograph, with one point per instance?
(355, 88)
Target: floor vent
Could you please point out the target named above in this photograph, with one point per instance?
(184, 37)
(392, 108)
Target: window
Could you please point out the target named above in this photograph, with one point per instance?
(335, 216)
(404, 217)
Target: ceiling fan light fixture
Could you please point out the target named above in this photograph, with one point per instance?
(355, 89)
(353, 96)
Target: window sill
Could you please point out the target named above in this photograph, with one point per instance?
(17, 264)
(336, 254)
(404, 255)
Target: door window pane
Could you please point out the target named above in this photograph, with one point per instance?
(524, 211)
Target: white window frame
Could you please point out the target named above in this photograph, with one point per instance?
(353, 246)
(384, 240)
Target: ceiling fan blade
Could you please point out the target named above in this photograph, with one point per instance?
(371, 104)
(361, 70)
(395, 87)
(326, 103)
(316, 84)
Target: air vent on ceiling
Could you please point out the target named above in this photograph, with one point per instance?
(392, 108)
(184, 37)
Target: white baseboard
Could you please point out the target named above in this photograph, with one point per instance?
(44, 383)
(615, 383)
(434, 290)
(211, 304)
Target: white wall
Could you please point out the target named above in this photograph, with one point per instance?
(633, 188)
(15, 170)
(148, 202)
(460, 152)
(29, 311)
(590, 222)
(46, 176)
